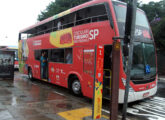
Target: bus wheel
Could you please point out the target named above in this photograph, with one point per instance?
(30, 74)
(76, 87)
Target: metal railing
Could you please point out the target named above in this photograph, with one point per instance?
(72, 24)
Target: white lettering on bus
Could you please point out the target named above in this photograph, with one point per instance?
(85, 35)
(89, 50)
(153, 85)
(57, 77)
(36, 66)
(93, 34)
(81, 36)
(37, 42)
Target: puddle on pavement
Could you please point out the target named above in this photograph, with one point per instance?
(23, 99)
(5, 115)
(4, 92)
(63, 105)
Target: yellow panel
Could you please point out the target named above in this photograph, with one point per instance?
(62, 38)
(77, 114)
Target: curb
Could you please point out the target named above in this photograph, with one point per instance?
(162, 79)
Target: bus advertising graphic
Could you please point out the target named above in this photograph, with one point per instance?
(62, 38)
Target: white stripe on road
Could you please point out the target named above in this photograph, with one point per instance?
(59, 93)
(153, 109)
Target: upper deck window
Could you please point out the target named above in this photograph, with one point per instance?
(142, 30)
(91, 14)
(95, 13)
(121, 10)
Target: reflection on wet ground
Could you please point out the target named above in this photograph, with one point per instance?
(22, 99)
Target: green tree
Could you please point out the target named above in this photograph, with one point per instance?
(158, 32)
(155, 12)
(58, 6)
(154, 9)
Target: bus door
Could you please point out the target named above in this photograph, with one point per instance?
(44, 65)
(107, 71)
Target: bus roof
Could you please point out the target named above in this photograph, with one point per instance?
(63, 14)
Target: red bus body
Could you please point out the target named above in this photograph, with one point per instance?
(82, 39)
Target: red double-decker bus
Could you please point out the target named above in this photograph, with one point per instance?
(61, 49)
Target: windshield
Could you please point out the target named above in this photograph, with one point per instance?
(144, 63)
(143, 60)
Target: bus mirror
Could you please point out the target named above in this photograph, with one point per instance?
(125, 50)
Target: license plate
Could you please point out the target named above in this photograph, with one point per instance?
(146, 94)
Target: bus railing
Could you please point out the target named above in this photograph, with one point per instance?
(72, 24)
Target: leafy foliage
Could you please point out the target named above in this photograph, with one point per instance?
(58, 6)
(154, 9)
(155, 12)
(158, 31)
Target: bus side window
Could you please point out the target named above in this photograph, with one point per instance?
(98, 13)
(37, 54)
(55, 25)
(91, 14)
(60, 23)
(78, 19)
(68, 56)
(57, 55)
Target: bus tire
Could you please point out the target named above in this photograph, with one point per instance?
(30, 74)
(76, 87)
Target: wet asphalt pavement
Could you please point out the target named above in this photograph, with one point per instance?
(23, 99)
(151, 108)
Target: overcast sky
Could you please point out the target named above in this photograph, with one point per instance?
(16, 15)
